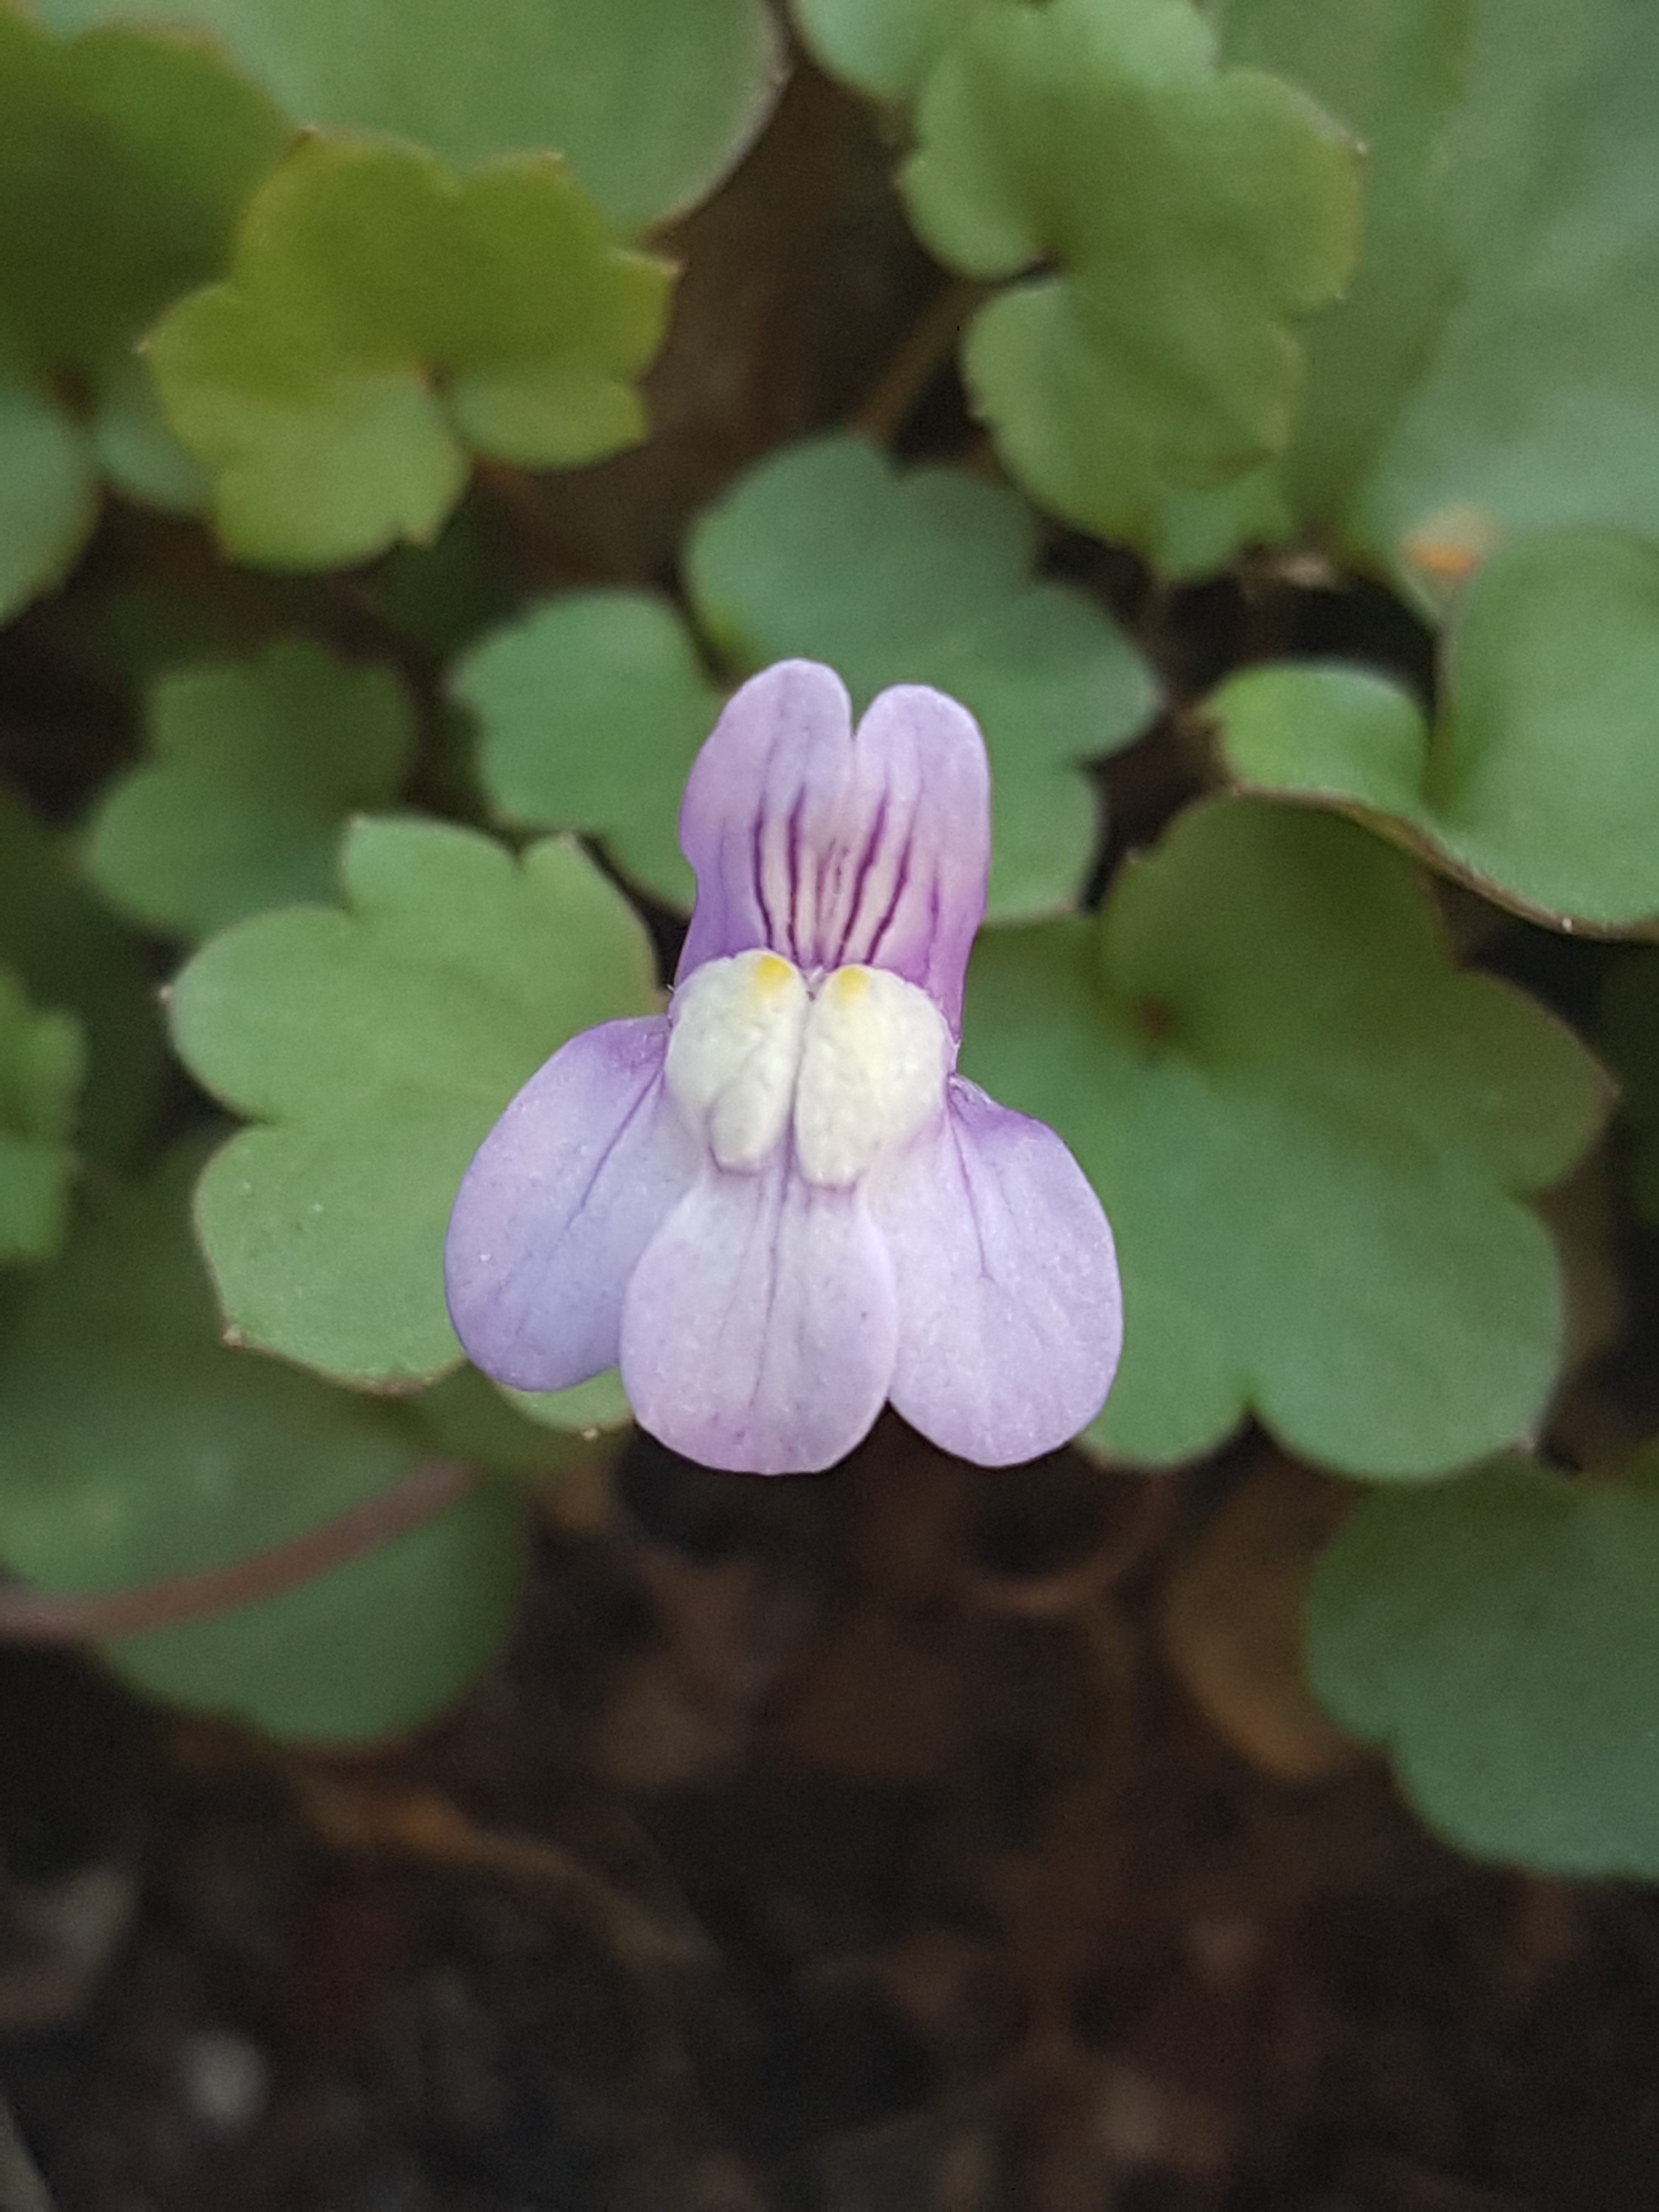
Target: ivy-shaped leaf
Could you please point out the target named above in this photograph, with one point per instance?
(68, 952)
(592, 707)
(1312, 1134)
(1539, 780)
(123, 161)
(135, 1448)
(42, 1060)
(650, 103)
(256, 768)
(1490, 373)
(376, 1045)
(1500, 1636)
(383, 319)
(1180, 217)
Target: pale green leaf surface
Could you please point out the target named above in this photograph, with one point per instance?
(69, 952)
(883, 47)
(925, 577)
(592, 708)
(42, 1061)
(1539, 782)
(1490, 373)
(378, 1045)
(134, 1447)
(1312, 1134)
(1183, 218)
(255, 768)
(1500, 1636)
(649, 100)
(382, 318)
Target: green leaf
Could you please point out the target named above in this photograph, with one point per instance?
(1539, 780)
(926, 578)
(1310, 1133)
(69, 953)
(382, 319)
(377, 1045)
(467, 1417)
(1500, 1636)
(255, 768)
(593, 707)
(123, 160)
(1629, 1039)
(1490, 373)
(42, 1061)
(134, 1447)
(650, 103)
(884, 47)
(48, 494)
(1182, 218)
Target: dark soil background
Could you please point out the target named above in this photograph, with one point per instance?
(850, 1844)
(907, 1839)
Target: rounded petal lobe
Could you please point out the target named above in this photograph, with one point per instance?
(759, 1330)
(1010, 1313)
(561, 1199)
(838, 848)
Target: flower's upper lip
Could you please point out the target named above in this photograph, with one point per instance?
(837, 846)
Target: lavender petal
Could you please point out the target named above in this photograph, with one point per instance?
(561, 1199)
(1010, 1313)
(835, 847)
(759, 1330)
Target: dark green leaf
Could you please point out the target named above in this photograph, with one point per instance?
(69, 953)
(123, 160)
(42, 1060)
(255, 768)
(1500, 1636)
(649, 100)
(134, 1447)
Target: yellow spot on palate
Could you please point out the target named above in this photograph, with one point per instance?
(772, 975)
(849, 985)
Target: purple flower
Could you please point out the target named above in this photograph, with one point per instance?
(777, 1205)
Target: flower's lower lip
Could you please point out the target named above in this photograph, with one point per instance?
(851, 1072)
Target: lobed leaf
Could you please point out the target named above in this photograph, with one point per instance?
(375, 1046)
(255, 768)
(1537, 781)
(123, 160)
(651, 101)
(383, 319)
(134, 1447)
(1168, 223)
(1499, 1636)
(592, 708)
(68, 952)
(1489, 376)
(1312, 1134)
(42, 1061)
